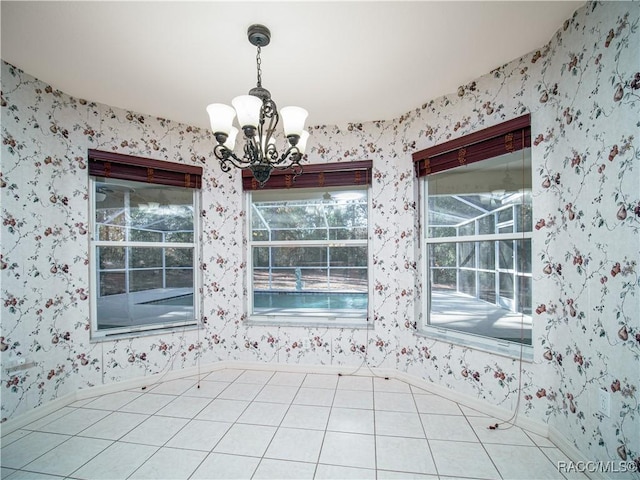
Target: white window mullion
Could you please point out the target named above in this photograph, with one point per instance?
(310, 243)
(164, 263)
(127, 236)
(115, 243)
(127, 281)
(270, 265)
(328, 264)
(457, 263)
(481, 238)
(496, 271)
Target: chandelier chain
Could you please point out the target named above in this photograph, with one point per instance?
(258, 63)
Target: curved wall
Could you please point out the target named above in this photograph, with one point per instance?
(582, 90)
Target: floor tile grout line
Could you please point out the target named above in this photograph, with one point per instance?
(156, 414)
(210, 452)
(324, 434)
(164, 445)
(332, 407)
(89, 460)
(481, 442)
(375, 430)
(433, 458)
(71, 436)
(145, 462)
(119, 440)
(44, 453)
(279, 425)
(112, 441)
(53, 420)
(193, 417)
(526, 432)
(243, 411)
(317, 462)
(326, 425)
(555, 464)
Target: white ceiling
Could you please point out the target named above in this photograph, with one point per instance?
(342, 61)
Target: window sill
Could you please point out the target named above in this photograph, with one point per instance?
(300, 319)
(510, 350)
(105, 336)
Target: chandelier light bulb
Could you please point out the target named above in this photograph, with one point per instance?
(293, 119)
(231, 139)
(248, 110)
(302, 143)
(221, 117)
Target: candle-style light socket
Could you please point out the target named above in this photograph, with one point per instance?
(221, 137)
(249, 131)
(293, 139)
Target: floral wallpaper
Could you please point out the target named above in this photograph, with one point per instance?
(583, 92)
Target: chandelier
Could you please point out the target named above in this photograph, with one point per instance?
(258, 117)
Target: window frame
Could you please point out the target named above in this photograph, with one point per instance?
(475, 147)
(309, 318)
(467, 339)
(99, 335)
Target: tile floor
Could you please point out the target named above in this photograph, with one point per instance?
(253, 424)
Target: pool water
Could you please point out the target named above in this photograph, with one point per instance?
(288, 300)
(324, 300)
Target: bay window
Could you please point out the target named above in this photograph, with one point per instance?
(308, 246)
(144, 252)
(476, 238)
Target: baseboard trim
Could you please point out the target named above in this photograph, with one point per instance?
(573, 453)
(37, 413)
(500, 413)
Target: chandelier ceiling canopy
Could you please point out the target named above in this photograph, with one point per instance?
(258, 117)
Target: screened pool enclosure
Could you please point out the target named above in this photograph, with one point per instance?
(143, 253)
(309, 252)
(478, 249)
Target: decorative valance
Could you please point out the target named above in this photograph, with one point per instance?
(316, 175)
(140, 169)
(506, 137)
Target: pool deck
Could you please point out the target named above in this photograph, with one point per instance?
(119, 310)
(464, 313)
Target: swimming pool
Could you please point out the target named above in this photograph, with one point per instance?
(315, 300)
(286, 300)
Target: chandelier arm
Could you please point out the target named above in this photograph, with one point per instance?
(258, 141)
(271, 154)
(252, 154)
(268, 113)
(227, 159)
(290, 160)
(292, 155)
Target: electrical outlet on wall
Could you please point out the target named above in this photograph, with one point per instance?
(15, 362)
(604, 402)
